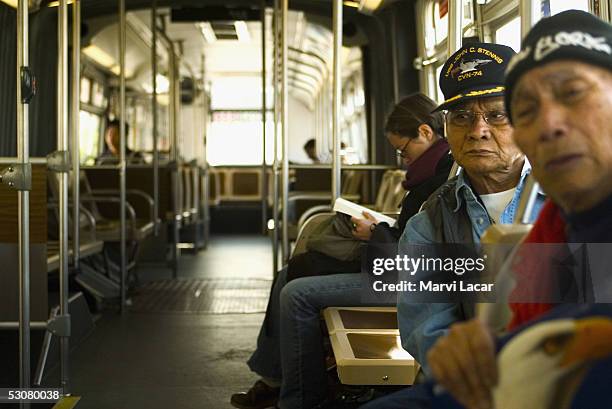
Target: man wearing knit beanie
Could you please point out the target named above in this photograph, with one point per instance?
(559, 97)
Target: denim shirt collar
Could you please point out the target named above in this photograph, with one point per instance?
(463, 189)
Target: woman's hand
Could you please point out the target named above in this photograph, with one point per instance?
(464, 363)
(363, 228)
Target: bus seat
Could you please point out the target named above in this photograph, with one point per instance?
(246, 184)
(306, 231)
(89, 245)
(367, 347)
(395, 193)
(108, 229)
(304, 204)
(186, 194)
(214, 187)
(385, 189)
(385, 185)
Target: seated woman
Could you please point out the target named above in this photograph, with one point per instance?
(289, 355)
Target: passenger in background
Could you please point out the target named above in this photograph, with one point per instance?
(289, 355)
(560, 102)
(486, 191)
(112, 139)
(310, 147)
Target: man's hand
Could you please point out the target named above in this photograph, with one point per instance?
(464, 363)
(362, 228)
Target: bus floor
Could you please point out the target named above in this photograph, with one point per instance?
(172, 351)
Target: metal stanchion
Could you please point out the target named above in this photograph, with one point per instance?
(285, 129)
(455, 25)
(122, 156)
(154, 112)
(275, 205)
(264, 169)
(76, 102)
(62, 147)
(530, 13)
(337, 101)
(205, 182)
(23, 160)
(174, 95)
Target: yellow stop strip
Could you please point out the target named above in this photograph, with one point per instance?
(67, 402)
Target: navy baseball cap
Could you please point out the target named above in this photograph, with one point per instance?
(474, 71)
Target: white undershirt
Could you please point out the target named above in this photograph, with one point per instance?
(496, 203)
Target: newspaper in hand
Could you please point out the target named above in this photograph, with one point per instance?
(355, 210)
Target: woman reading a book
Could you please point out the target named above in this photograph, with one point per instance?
(289, 355)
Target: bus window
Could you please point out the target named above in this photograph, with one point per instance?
(510, 34)
(439, 17)
(85, 90)
(97, 95)
(235, 138)
(439, 97)
(89, 137)
(440, 20)
(557, 6)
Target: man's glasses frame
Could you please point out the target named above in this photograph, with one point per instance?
(466, 117)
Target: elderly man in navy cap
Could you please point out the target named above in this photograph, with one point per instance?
(559, 95)
(487, 190)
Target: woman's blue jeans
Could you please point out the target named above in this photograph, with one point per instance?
(289, 346)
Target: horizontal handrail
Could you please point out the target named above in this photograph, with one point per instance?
(10, 161)
(135, 192)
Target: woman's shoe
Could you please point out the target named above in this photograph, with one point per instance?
(260, 396)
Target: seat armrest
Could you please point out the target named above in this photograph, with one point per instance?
(112, 199)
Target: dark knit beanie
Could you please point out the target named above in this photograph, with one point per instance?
(571, 35)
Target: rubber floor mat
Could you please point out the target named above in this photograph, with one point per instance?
(198, 296)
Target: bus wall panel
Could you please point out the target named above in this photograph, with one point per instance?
(9, 282)
(9, 224)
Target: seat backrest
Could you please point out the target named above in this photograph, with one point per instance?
(307, 230)
(395, 193)
(86, 190)
(246, 183)
(352, 182)
(385, 184)
(186, 193)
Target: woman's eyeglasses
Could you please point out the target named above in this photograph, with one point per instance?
(402, 152)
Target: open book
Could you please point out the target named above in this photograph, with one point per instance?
(355, 210)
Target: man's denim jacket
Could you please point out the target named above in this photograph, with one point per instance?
(421, 324)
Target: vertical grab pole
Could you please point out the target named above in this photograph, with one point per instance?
(175, 187)
(154, 109)
(122, 158)
(205, 179)
(264, 171)
(174, 91)
(285, 128)
(530, 13)
(275, 161)
(76, 107)
(455, 25)
(337, 101)
(23, 158)
(62, 146)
